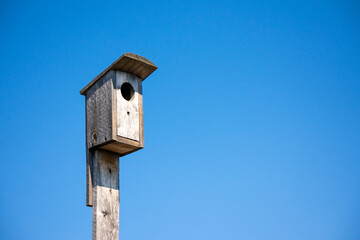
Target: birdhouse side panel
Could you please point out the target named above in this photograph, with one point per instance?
(99, 111)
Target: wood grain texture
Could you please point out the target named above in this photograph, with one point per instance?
(141, 118)
(122, 140)
(120, 148)
(106, 205)
(130, 63)
(89, 177)
(99, 111)
(98, 119)
(102, 118)
(88, 166)
(128, 120)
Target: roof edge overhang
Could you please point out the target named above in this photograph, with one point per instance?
(130, 63)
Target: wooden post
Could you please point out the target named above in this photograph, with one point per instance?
(106, 204)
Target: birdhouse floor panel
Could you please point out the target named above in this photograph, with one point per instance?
(120, 148)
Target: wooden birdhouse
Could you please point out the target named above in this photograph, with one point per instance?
(114, 105)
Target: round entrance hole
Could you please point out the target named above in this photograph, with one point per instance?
(127, 91)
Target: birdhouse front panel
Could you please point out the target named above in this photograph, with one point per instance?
(128, 97)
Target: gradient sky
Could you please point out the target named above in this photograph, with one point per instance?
(252, 121)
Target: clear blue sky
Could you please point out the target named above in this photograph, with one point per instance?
(252, 121)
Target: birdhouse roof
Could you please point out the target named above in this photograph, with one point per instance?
(130, 63)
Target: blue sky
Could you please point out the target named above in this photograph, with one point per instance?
(251, 121)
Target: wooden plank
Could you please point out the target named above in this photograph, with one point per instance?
(128, 122)
(141, 117)
(88, 166)
(99, 111)
(130, 63)
(121, 142)
(89, 181)
(120, 148)
(106, 204)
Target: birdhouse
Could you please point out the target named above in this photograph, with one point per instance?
(114, 105)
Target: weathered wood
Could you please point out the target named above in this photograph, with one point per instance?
(106, 205)
(114, 128)
(113, 123)
(89, 182)
(117, 147)
(130, 63)
(99, 111)
(88, 166)
(102, 120)
(128, 120)
(141, 117)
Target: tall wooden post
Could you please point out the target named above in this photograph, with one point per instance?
(114, 128)
(106, 203)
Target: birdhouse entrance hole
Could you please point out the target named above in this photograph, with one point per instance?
(127, 91)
